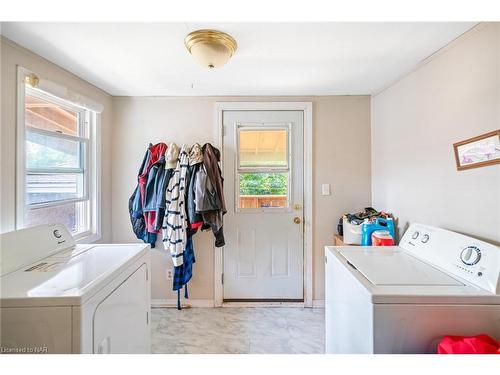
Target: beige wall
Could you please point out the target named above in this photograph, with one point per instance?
(11, 56)
(341, 157)
(452, 97)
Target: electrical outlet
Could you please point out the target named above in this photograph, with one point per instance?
(169, 275)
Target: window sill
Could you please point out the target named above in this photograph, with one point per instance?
(89, 238)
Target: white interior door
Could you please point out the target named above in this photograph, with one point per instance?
(263, 228)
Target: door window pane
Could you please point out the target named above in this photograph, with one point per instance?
(51, 187)
(263, 148)
(44, 115)
(263, 190)
(44, 152)
(73, 215)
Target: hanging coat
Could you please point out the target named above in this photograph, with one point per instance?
(195, 220)
(152, 183)
(147, 200)
(175, 220)
(210, 194)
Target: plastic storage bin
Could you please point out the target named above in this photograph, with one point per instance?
(352, 233)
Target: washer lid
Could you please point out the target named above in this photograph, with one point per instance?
(394, 267)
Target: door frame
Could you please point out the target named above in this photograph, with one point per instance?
(306, 108)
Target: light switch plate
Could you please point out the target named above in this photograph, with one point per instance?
(325, 189)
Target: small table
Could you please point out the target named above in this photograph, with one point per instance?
(338, 240)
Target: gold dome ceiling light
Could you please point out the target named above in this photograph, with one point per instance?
(210, 48)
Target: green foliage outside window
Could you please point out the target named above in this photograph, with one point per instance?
(263, 183)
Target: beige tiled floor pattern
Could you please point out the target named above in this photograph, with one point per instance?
(238, 330)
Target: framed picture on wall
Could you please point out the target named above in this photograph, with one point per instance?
(478, 151)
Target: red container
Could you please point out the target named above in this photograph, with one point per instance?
(382, 238)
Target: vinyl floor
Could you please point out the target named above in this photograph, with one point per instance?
(238, 330)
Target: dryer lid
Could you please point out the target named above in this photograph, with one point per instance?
(68, 277)
(391, 266)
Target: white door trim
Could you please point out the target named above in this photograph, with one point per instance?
(306, 107)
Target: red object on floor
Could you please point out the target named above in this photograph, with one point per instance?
(480, 344)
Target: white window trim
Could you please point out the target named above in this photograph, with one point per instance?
(271, 169)
(93, 161)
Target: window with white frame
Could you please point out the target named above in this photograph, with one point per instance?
(263, 167)
(57, 163)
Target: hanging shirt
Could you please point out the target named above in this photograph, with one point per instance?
(175, 220)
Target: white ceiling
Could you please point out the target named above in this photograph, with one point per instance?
(149, 59)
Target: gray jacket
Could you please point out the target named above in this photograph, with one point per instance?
(191, 195)
(156, 180)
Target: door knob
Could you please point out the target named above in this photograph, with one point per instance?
(296, 220)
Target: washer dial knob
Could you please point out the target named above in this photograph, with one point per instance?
(470, 255)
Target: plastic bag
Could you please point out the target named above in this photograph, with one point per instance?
(480, 344)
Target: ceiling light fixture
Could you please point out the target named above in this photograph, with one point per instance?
(210, 48)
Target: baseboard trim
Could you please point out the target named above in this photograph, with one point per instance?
(172, 303)
(263, 304)
(156, 303)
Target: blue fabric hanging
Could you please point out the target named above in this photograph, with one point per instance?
(184, 272)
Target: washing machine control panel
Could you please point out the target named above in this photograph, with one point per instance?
(465, 257)
(424, 238)
(470, 255)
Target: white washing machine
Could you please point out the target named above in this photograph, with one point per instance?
(403, 299)
(58, 297)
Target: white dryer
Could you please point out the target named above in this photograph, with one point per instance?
(403, 299)
(58, 297)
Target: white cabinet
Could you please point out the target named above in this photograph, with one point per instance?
(121, 321)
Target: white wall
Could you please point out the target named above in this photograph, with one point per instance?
(13, 55)
(451, 97)
(341, 157)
